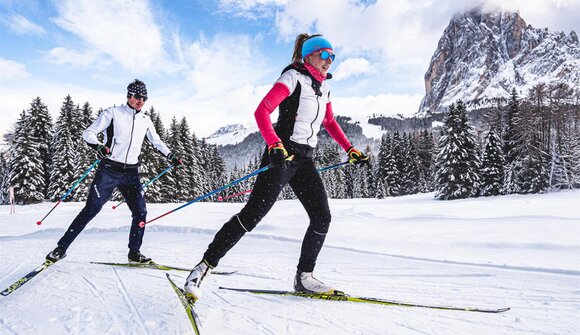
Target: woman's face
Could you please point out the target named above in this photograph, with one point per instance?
(322, 65)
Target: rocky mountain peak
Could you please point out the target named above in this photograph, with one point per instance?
(483, 55)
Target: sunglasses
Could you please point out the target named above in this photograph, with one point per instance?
(138, 96)
(324, 55)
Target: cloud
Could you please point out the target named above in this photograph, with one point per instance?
(380, 105)
(20, 25)
(12, 71)
(400, 35)
(126, 31)
(352, 67)
(223, 63)
(61, 55)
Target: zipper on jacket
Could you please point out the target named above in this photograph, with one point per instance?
(315, 118)
(130, 140)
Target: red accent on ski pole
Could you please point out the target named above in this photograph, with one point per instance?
(53, 207)
(234, 195)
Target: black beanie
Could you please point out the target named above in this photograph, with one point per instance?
(137, 87)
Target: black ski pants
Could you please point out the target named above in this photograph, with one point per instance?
(303, 178)
(107, 178)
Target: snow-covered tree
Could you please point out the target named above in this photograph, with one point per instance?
(389, 169)
(177, 182)
(410, 173)
(492, 165)
(26, 165)
(4, 179)
(457, 164)
(427, 152)
(86, 154)
(41, 134)
(65, 169)
(153, 162)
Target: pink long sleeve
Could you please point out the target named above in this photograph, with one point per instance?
(334, 130)
(275, 96)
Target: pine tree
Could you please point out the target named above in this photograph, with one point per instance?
(472, 150)
(236, 189)
(204, 159)
(333, 180)
(153, 162)
(196, 171)
(368, 176)
(389, 173)
(65, 170)
(26, 166)
(86, 154)
(41, 134)
(457, 163)
(4, 179)
(426, 152)
(492, 165)
(176, 182)
(513, 143)
(410, 173)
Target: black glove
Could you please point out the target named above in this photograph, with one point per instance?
(355, 156)
(278, 155)
(175, 161)
(103, 152)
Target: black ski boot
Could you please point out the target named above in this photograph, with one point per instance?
(138, 257)
(57, 254)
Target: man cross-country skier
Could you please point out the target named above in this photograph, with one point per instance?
(125, 129)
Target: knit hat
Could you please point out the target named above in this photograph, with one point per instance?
(314, 44)
(137, 87)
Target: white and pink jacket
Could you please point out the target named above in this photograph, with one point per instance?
(303, 97)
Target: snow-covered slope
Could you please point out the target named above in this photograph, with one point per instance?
(517, 251)
(484, 55)
(231, 134)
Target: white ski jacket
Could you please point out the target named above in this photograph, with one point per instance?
(124, 129)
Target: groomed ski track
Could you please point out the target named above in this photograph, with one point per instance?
(416, 252)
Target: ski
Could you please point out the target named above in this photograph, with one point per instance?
(27, 278)
(345, 297)
(153, 265)
(188, 304)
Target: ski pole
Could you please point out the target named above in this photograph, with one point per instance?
(147, 183)
(142, 224)
(250, 190)
(234, 195)
(332, 166)
(70, 190)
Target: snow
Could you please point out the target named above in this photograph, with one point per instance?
(234, 136)
(518, 251)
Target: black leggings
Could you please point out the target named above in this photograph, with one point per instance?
(306, 183)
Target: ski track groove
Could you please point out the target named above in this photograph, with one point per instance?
(130, 302)
(98, 294)
(9, 275)
(4, 325)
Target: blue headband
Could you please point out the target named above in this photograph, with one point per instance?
(314, 44)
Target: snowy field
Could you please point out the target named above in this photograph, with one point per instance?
(513, 251)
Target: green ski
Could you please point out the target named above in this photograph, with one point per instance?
(153, 265)
(27, 278)
(345, 297)
(188, 304)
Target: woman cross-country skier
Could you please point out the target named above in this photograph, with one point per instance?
(303, 97)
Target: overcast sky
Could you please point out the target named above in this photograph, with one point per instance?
(212, 61)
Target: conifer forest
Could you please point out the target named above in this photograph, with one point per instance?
(523, 144)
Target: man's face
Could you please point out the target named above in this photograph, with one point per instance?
(136, 101)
